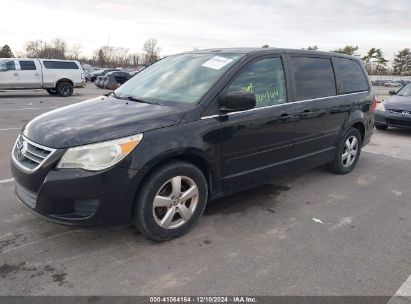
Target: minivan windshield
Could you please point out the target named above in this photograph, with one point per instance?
(183, 78)
(405, 91)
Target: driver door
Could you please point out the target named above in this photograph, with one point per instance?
(257, 144)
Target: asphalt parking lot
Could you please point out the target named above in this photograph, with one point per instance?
(311, 233)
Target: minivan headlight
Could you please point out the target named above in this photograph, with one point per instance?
(380, 107)
(99, 156)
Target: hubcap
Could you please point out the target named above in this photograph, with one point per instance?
(175, 202)
(350, 151)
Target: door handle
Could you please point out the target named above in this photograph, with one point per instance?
(285, 117)
(15, 74)
(311, 114)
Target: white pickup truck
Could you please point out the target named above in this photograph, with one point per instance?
(57, 77)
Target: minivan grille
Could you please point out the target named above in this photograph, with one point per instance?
(28, 155)
(399, 111)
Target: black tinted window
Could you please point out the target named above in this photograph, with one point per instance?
(264, 78)
(351, 75)
(68, 65)
(314, 77)
(27, 65)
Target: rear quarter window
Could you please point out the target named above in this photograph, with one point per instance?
(351, 76)
(314, 77)
(65, 65)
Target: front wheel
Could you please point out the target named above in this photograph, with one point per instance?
(171, 201)
(348, 153)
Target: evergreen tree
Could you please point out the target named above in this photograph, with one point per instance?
(402, 62)
(6, 52)
(347, 50)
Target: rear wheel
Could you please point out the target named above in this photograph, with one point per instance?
(171, 201)
(52, 92)
(348, 153)
(381, 127)
(64, 89)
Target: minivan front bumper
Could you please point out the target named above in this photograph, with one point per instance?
(79, 197)
(387, 118)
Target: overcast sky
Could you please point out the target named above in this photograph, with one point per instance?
(183, 24)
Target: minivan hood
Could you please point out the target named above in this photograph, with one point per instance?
(399, 103)
(97, 120)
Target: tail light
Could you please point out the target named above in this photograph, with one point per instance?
(374, 104)
(82, 75)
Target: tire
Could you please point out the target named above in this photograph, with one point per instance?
(64, 89)
(172, 217)
(344, 165)
(381, 127)
(52, 92)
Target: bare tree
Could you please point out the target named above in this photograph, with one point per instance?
(134, 59)
(151, 51)
(75, 51)
(120, 56)
(41, 49)
(58, 48)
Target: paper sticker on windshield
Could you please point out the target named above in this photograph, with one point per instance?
(216, 62)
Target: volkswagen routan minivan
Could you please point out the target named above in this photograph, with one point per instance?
(191, 128)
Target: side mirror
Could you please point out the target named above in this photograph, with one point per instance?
(392, 92)
(238, 101)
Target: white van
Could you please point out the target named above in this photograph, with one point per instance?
(57, 77)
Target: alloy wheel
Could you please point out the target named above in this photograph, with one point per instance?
(175, 202)
(350, 151)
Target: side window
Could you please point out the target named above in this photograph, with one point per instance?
(27, 65)
(65, 65)
(7, 65)
(314, 77)
(265, 78)
(351, 75)
(68, 65)
(51, 64)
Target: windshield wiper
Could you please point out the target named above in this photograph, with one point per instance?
(132, 98)
(112, 94)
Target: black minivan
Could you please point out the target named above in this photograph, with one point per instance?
(190, 128)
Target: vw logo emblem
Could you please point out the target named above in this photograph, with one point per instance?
(404, 113)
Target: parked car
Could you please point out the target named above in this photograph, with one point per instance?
(120, 77)
(392, 83)
(404, 82)
(87, 76)
(396, 111)
(378, 83)
(135, 72)
(99, 81)
(57, 77)
(98, 73)
(191, 128)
